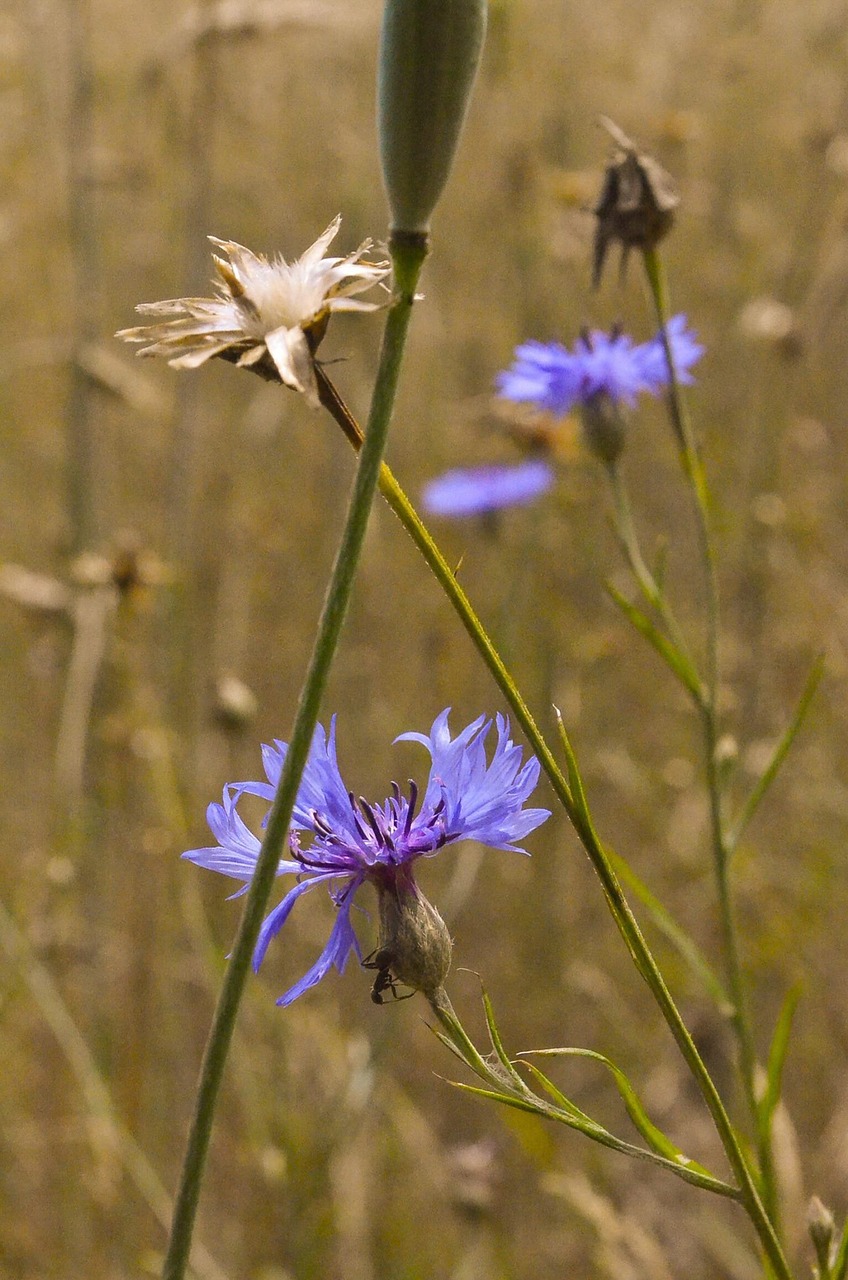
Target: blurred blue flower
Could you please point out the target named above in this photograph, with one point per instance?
(476, 490)
(555, 379)
(685, 349)
(352, 841)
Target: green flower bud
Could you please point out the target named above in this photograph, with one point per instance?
(603, 427)
(414, 944)
(822, 1229)
(429, 53)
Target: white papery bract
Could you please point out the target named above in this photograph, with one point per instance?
(264, 307)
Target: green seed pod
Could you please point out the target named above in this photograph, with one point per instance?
(429, 53)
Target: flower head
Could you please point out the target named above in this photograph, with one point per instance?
(267, 311)
(554, 378)
(477, 490)
(685, 351)
(342, 842)
(637, 204)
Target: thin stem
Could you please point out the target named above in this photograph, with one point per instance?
(408, 258)
(618, 905)
(721, 848)
(84, 464)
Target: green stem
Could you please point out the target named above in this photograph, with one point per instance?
(721, 849)
(408, 257)
(618, 905)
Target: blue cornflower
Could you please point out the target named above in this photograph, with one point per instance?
(555, 379)
(351, 841)
(475, 490)
(685, 349)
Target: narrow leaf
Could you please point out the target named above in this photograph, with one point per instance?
(497, 1043)
(673, 932)
(575, 780)
(839, 1269)
(661, 565)
(453, 1034)
(779, 755)
(670, 654)
(559, 1098)
(687, 1170)
(655, 1138)
(777, 1057)
(508, 1099)
(449, 1044)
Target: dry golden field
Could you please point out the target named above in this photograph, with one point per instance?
(127, 134)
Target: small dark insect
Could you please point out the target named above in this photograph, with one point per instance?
(385, 980)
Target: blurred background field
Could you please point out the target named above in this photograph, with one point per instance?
(214, 501)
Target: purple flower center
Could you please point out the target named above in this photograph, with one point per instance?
(387, 834)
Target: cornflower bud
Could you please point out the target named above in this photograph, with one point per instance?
(429, 53)
(822, 1229)
(414, 944)
(637, 202)
(603, 427)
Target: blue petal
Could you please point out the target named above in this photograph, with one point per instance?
(341, 942)
(322, 788)
(476, 490)
(274, 922)
(481, 800)
(554, 378)
(685, 349)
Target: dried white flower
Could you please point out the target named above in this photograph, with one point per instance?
(264, 308)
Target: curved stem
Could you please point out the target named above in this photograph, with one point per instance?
(408, 258)
(721, 848)
(618, 905)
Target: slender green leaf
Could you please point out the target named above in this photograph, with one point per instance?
(689, 1172)
(453, 1034)
(779, 754)
(508, 1099)
(449, 1044)
(497, 1043)
(661, 565)
(673, 932)
(669, 652)
(559, 1098)
(655, 1138)
(839, 1270)
(575, 780)
(777, 1057)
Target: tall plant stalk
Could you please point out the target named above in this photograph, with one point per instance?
(574, 806)
(408, 256)
(708, 708)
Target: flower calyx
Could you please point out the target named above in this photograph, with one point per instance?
(415, 947)
(604, 427)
